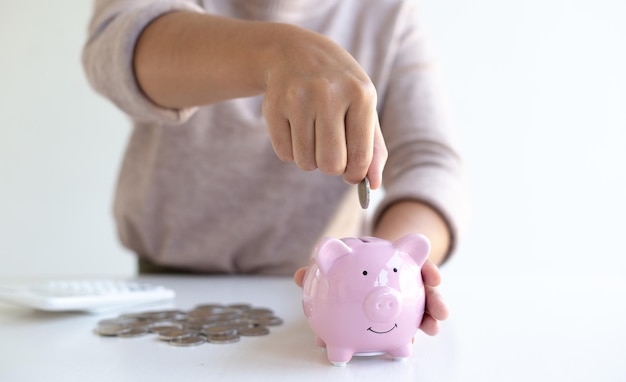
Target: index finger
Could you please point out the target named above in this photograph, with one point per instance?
(360, 126)
(430, 274)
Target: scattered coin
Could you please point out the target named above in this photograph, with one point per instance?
(260, 312)
(202, 313)
(219, 330)
(269, 321)
(364, 193)
(188, 341)
(111, 330)
(254, 331)
(164, 328)
(134, 332)
(206, 323)
(209, 306)
(223, 339)
(245, 323)
(241, 307)
(173, 334)
(227, 316)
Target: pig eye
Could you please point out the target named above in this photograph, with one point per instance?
(364, 273)
(395, 270)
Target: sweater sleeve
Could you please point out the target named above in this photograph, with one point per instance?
(108, 55)
(424, 162)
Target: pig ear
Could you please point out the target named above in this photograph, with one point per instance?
(328, 250)
(415, 245)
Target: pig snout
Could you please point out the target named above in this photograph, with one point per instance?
(382, 304)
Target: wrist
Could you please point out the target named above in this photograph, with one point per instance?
(405, 217)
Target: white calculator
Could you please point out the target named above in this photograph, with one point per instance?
(94, 295)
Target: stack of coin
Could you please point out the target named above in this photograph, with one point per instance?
(212, 323)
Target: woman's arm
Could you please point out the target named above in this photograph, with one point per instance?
(405, 217)
(320, 106)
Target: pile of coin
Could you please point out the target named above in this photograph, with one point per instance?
(206, 323)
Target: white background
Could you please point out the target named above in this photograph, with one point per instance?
(60, 147)
(539, 93)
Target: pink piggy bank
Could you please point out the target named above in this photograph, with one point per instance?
(366, 296)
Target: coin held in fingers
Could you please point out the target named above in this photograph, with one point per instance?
(364, 193)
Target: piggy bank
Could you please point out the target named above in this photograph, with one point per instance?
(365, 296)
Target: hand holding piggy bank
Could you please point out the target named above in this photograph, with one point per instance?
(365, 296)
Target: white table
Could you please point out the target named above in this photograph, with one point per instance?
(503, 328)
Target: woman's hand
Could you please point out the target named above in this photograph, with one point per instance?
(320, 108)
(436, 310)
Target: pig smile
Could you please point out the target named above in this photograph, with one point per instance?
(374, 331)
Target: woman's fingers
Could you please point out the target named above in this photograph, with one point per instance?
(330, 142)
(298, 277)
(436, 309)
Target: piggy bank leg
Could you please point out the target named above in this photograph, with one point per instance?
(339, 356)
(401, 353)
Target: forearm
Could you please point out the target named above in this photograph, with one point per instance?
(406, 217)
(187, 59)
(319, 105)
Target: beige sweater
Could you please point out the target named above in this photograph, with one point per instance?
(201, 189)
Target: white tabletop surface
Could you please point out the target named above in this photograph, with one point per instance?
(502, 328)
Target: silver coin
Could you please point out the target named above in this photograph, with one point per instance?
(269, 321)
(254, 331)
(111, 330)
(188, 341)
(244, 323)
(173, 312)
(173, 334)
(219, 330)
(151, 315)
(242, 307)
(364, 193)
(134, 332)
(220, 323)
(228, 316)
(259, 312)
(223, 339)
(200, 314)
(164, 328)
(200, 321)
(193, 327)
